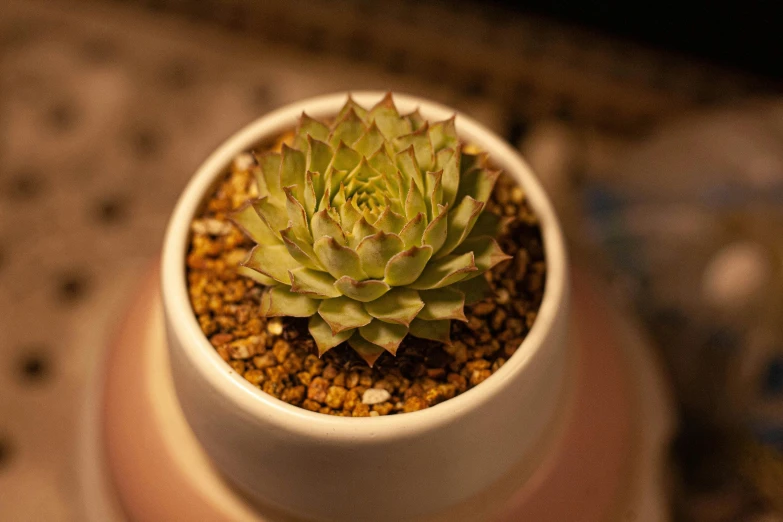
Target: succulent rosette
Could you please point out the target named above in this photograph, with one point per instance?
(371, 225)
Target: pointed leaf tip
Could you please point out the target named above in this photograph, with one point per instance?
(363, 291)
(325, 340)
(376, 250)
(342, 313)
(443, 303)
(433, 330)
(253, 225)
(272, 261)
(446, 271)
(387, 336)
(312, 283)
(366, 350)
(399, 306)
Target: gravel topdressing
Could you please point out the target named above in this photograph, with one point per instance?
(279, 356)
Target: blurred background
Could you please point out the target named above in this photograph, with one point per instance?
(658, 133)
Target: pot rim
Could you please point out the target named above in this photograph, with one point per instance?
(268, 409)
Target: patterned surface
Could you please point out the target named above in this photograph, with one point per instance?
(106, 109)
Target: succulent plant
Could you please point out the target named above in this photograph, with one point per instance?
(371, 225)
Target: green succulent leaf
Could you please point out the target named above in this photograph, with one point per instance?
(325, 340)
(400, 306)
(445, 271)
(351, 105)
(381, 162)
(312, 127)
(422, 147)
(324, 225)
(297, 217)
(370, 142)
(416, 119)
(435, 190)
(478, 184)
(258, 277)
(342, 313)
(414, 202)
(390, 221)
(272, 261)
(348, 215)
(475, 289)
(279, 301)
(409, 168)
(443, 134)
(433, 330)
(300, 250)
(319, 155)
(407, 266)
(486, 252)
(273, 213)
(489, 224)
(339, 260)
(388, 120)
(268, 176)
(435, 233)
(349, 129)
(366, 350)
(460, 223)
(448, 160)
(334, 192)
(247, 218)
(361, 229)
(472, 161)
(344, 159)
(364, 291)
(387, 336)
(312, 283)
(375, 251)
(292, 170)
(413, 231)
(442, 303)
(312, 180)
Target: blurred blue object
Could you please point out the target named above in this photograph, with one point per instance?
(694, 216)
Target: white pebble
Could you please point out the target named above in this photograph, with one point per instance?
(375, 396)
(240, 351)
(243, 161)
(212, 227)
(274, 327)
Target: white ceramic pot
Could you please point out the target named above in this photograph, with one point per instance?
(320, 467)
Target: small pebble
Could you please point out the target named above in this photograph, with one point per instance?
(211, 227)
(243, 161)
(241, 350)
(274, 327)
(484, 308)
(414, 404)
(335, 396)
(375, 396)
(317, 389)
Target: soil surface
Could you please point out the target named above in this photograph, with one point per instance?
(278, 354)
